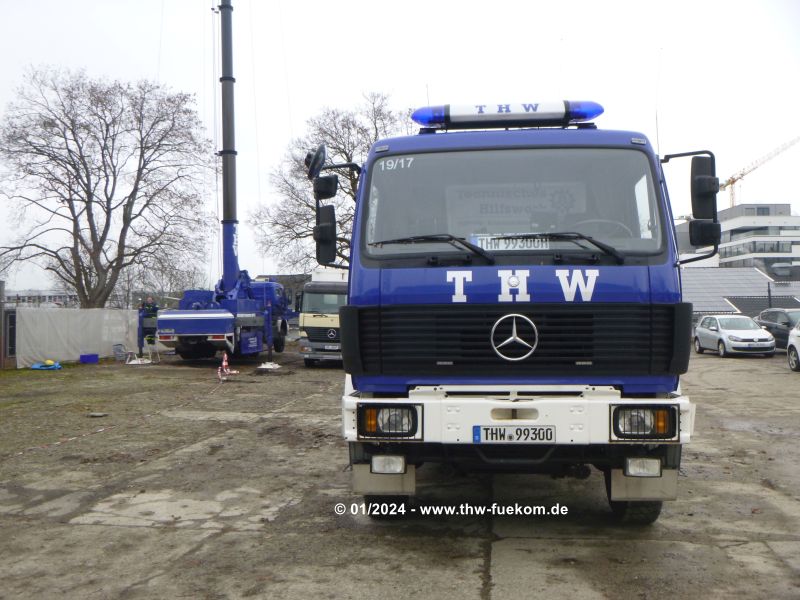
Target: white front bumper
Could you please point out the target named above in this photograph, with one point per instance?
(580, 414)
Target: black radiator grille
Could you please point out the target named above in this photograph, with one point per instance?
(320, 334)
(630, 339)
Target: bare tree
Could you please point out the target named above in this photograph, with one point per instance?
(167, 281)
(105, 176)
(285, 228)
(162, 278)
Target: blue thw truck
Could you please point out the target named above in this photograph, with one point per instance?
(514, 302)
(246, 321)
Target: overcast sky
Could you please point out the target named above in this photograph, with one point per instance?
(720, 75)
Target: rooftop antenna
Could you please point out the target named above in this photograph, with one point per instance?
(658, 86)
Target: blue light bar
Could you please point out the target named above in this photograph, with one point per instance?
(583, 110)
(531, 114)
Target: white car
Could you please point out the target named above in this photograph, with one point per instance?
(793, 348)
(732, 334)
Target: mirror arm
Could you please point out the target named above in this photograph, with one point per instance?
(700, 257)
(668, 157)
(350, 165)
(713, 252)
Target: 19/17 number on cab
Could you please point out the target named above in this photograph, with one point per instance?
(391, 164)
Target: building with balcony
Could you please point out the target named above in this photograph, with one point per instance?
(763, 236)
(40, 298)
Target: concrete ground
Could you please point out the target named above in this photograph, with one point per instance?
(188, 488)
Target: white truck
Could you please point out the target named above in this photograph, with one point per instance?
(320, 338)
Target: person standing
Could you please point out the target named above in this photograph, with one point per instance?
(149, 309)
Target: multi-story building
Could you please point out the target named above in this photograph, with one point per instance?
(764, 236)
(44, 298)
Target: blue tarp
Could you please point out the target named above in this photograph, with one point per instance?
(43, 367)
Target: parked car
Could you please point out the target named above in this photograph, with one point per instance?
(732, 334)
(793, 348)
(779, 322)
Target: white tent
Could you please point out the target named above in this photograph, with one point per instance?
(63, 334)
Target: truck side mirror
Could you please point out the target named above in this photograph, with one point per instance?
(315, 160)
(705, 186)
(325, 234)
(704, 233)
(325, 186)
(703, 229)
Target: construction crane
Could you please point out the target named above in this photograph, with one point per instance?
(240, 316)
(730, 183)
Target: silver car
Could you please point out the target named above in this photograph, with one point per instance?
(732, 334)
(793, 348)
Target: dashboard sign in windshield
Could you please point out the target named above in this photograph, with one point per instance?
(509, 242)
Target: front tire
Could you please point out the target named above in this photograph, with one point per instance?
(279, 343)
(697, 347)
(629, 512)
(721, 349)
(632, 512)
(793, 358)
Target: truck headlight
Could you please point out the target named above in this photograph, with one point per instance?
(395, 421)
(639, 420)
(645, 422)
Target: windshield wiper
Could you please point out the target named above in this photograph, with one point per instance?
(440, 237)
(569, 236)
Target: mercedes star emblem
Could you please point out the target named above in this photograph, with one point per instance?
(509, 336)
(331, 334)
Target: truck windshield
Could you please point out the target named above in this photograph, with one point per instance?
(326, 304)
(499, 199)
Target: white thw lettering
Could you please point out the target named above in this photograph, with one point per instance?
(519, 279)
(459, 277)
(571, 283)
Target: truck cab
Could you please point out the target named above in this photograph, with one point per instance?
(515, 303)
(320, 339)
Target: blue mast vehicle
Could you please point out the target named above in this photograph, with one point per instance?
(515, 304)
(240, 316)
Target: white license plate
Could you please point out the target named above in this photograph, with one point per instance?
(332, 347)
(494, 242)
(524, 434)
